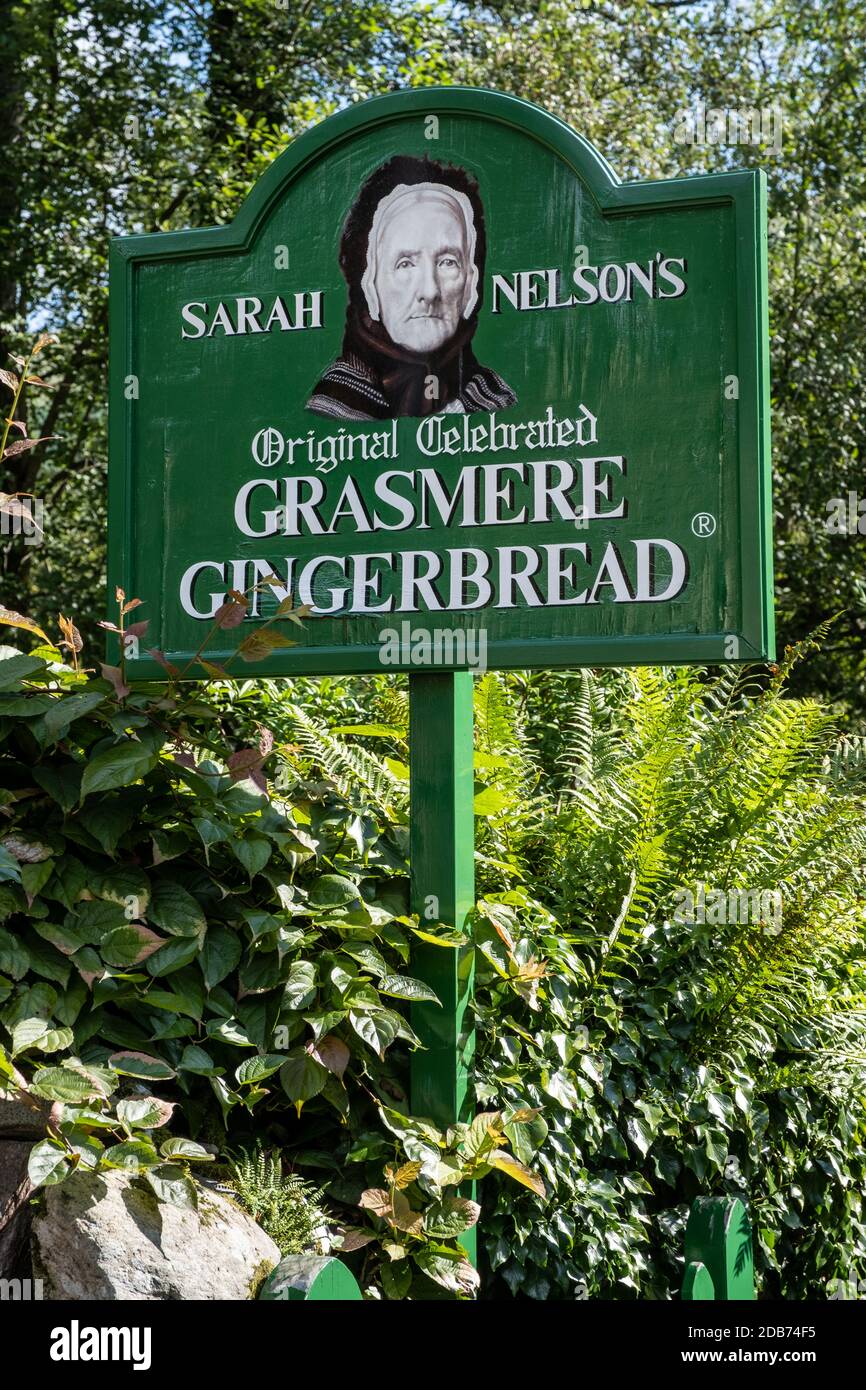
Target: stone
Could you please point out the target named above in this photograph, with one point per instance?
(105, 1236)
(15, 1211)
(19, 1120)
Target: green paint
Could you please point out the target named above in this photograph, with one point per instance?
(719, 1237)
(442, 855)
(311, 1279)
(442, 889)
(698, 1285)
(675, 382)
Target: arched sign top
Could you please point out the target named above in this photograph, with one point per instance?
(482, 103)
(451, 386)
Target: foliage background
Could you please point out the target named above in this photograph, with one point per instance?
(138, 115)
(132, 115)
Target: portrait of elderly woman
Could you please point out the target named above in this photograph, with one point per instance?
(412, 254)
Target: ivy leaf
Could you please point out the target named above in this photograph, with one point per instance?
(639, 1134)
(507, 1163)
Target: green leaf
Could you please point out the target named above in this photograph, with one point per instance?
(63, 784)
(378, 1030)
(187, 1150)
(196, 1060)
(129, 945)
(396, 1278)
(55, 1040)
(638, 1134)
(14, 956)
(134, 1154)
(125, 885)
(300, 988)
(450, 1268)
(47, 1164)
(332, 890)
(404, 987)
(35, 876)
(146, 1112)
(302, 1077)
(220, 954)
(26, 1033)
(253, 851)
(451, 1217)
(171, 1184)
(176, 910)
(174, 955)
(64, 711)
(61, 1083)
(119, 766)
(255, 1069)
(141, 1065)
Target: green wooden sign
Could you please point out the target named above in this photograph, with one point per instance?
(459, 392)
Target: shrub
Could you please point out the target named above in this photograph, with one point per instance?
(176, 934)
(672, 1058)
(666, 1058)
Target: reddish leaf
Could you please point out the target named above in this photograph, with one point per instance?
(246, 762)
(166, 665)
(230, 614)
(9, 378)
(115, 676)
(137, 629)
(333, 1054)
(355, 1238)
(21, 445)
(133, 603)
(43, 341)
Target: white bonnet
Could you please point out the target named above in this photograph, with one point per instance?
(386, 208)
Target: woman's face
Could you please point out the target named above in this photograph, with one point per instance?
(422, 273)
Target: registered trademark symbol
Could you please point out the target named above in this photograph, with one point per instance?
(703, 523)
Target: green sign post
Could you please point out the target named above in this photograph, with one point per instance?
(449, 385)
